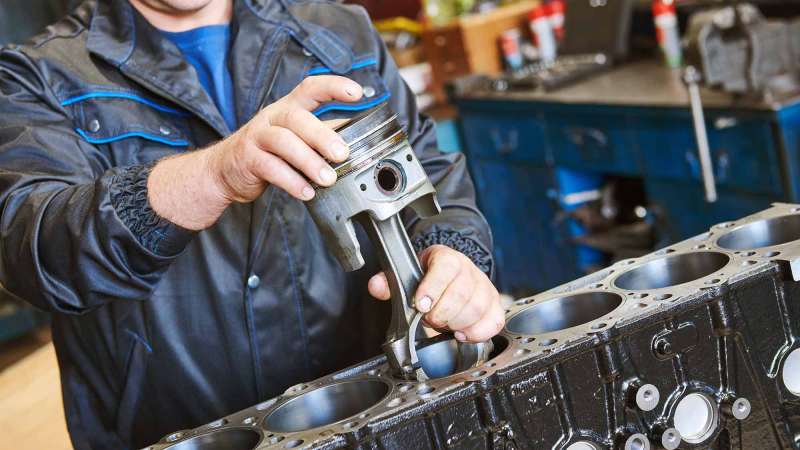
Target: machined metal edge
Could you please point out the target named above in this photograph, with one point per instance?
(526, 353)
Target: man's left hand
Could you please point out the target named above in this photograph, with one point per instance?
(454, 294)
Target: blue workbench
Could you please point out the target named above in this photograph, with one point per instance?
(633, 121)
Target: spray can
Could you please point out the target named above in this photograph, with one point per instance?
(666, 21)
(543, 32)
(556, 16)
(509, 43)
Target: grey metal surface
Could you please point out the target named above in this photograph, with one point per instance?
(228, 439)
(399, 261)
(373, 138)
(638, 84)
(445, 356)
(762, 233)
(327, 405)
(672, 270)
(575, 387)
(564, 312)
(380, 178)
(692, 79)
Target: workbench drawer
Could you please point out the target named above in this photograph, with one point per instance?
(503, 136)
(683, 211)
(531, 253)
(587, 141)
(743, 152)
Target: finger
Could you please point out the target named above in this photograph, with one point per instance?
(487, 327)
(334, 124)
(378, 287)
(476, 306)
(316, 90)
(274, 170)
(290, 148)
(443, 266)
(314, 132)
(453, 301)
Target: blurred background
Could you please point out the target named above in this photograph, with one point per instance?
(595, 130)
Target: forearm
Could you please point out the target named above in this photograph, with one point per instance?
(185, 191)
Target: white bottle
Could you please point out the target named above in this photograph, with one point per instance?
(543, 31)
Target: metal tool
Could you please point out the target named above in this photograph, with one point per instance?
(381, 177)
(692, 78)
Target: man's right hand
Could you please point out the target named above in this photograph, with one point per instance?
(284, 144)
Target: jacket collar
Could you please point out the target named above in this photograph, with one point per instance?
(122, 37)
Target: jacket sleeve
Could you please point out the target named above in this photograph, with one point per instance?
(74, 231)
(460, 225)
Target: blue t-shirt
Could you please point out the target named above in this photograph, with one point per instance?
(206, 48)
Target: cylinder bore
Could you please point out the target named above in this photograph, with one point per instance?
(695, 418)
(672, 271)
(229, 439)
(563, 312)
(326, 405)
(447, 357)
(762, 233)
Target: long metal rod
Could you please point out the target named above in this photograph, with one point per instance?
(399, 261)
(692, 78)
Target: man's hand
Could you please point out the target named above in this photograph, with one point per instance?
(284, 144)
(454, 294)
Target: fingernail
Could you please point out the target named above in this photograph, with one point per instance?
(339, 150)
(327, 175)
(460, 336)
(308, 193)
(352, 89)
(424, 304)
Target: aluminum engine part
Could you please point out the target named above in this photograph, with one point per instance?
(381, 177)
(712, 324)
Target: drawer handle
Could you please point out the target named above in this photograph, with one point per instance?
(587, 136)
(505, 146)
(723, 123)
(721, 165)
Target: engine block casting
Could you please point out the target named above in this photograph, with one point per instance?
(693, 346)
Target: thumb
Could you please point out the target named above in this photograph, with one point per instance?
(378, 287)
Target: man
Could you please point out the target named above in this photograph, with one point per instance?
(186, 277)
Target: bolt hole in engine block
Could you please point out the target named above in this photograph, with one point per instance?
(791, 372)
(637, 442)
(326, 405)
(695, 417)
(672, 270)
(563, 312)
(762, 233)
(229, 439)
(583, 445)
(442, 358)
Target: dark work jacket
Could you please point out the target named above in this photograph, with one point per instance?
(157, 328)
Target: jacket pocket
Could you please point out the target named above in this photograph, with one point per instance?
(132, 393)
(134, 128)
(364, 72)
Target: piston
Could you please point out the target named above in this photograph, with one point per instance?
(381, 177)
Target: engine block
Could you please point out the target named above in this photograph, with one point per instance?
(693, 346)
